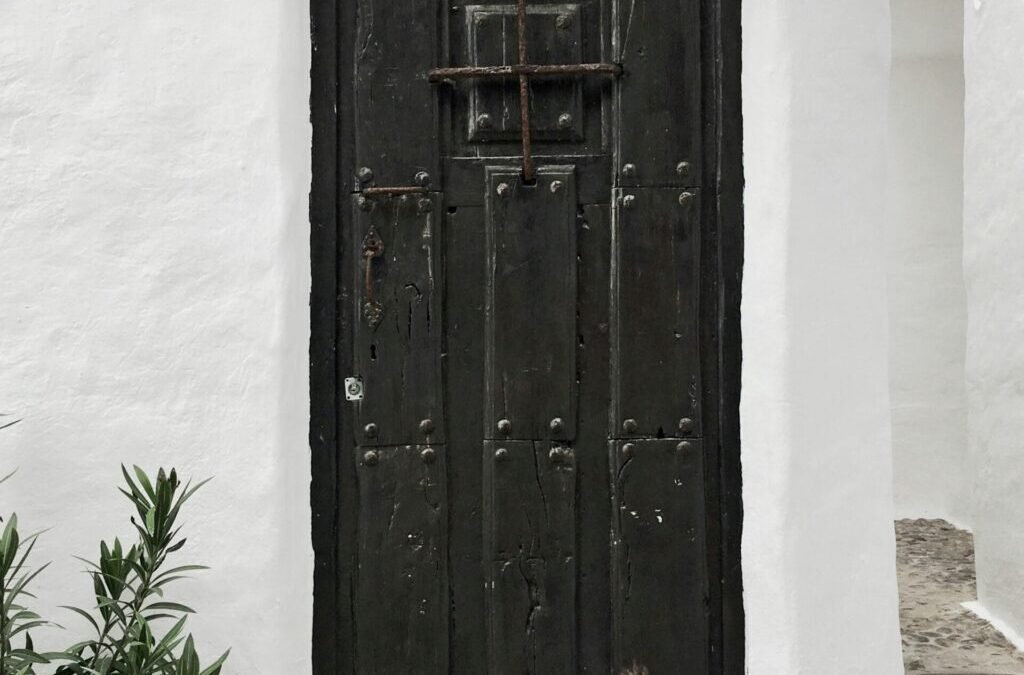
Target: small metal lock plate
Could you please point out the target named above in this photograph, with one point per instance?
(353, 389)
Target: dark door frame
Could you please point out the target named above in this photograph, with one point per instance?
(331, 25)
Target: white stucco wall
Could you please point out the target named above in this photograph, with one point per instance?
(994, 275)
(924, 249)
(154, 295)
(818, 550)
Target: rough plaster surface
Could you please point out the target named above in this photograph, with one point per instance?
(924, 266)
(154, 295)
(994, 276)
(819, 549)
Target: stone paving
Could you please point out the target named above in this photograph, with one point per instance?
(935, 567)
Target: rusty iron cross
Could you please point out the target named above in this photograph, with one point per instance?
(524, 71)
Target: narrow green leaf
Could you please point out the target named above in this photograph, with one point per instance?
(144, 482)
(81, 612)
(173, 606)
(214, 668)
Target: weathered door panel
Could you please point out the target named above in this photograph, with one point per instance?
(397, 341)
(659, 99)
(659, 578)
(531, 319)
(402, 594)
(395, 112)
(531, 555)
(656, 388)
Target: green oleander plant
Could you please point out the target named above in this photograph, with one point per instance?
(130, 584)
(16, 619)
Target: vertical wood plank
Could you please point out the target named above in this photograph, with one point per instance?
(594, 514)
(399, 359)
(531, 320)
(724, 27)
(660, 584)
(655, 313)
(532, 546)
(402, 592)
(395, 107)
(464, 246)
(659, 96)
(331, 633)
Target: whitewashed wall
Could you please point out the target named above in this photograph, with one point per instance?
(924, 250)
(994, 274)
(154, 294)
(819, 550)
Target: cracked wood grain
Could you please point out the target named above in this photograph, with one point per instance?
(530, 367)
(658, 45)
(655, 316)
(402, 564)
(396, 43)
(399, 359)
(532, 548)
(659, 567)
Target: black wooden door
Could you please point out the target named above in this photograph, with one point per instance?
(527, 473)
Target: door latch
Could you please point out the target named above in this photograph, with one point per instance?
(373, 247)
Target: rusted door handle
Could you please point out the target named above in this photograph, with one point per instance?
(373, 247)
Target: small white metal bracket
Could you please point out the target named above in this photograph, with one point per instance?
(353, 389)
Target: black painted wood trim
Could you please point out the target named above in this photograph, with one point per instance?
(323, 385)
(729, 219)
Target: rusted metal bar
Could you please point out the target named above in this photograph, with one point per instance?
(398, 190)
(530, 69)
(524, 94)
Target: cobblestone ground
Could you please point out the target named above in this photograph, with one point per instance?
(935, 563)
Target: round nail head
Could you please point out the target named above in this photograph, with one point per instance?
(683, 168)
(504, 427)
(630, 426)
(427, 426)
(501, 454)
(628, 202)
(629, 170)
(628, 449)
(564, 121)
(370, 458)
(365, 174)
(502, 189)
(557, 425)
(684, 446)
(483, 121)
(428, 455)
(686, 425)
(422, 178)
(370, 430)
(685, 199)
